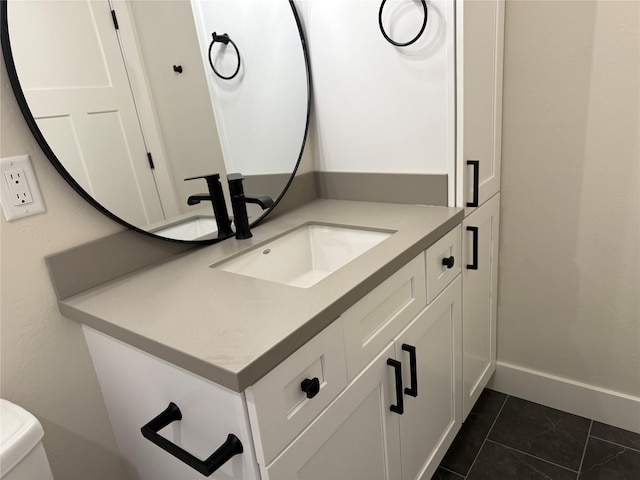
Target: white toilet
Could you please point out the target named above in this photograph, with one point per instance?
(22, 456)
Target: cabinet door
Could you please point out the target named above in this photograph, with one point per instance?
(433, 417)
(480, 282)
(356, 437)
(480, 41)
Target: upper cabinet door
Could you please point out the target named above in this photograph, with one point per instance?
(480, 45)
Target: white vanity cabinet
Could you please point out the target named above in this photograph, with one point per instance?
(374, 395)
(402, 407)
(377, 428)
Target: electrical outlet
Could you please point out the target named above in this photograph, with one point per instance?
(18, 187)
(19, 192)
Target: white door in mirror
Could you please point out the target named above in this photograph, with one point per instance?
(20, 195)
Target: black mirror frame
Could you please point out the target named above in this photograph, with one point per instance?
(26, 112)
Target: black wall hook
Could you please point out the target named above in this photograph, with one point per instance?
(177, 68)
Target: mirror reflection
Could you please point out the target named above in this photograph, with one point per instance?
(126, 96)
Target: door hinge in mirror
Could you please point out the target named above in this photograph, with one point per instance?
(115, 19)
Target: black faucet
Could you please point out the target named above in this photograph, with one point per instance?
(216, 197)
(239, 201)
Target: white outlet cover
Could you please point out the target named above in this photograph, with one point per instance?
(11, 211)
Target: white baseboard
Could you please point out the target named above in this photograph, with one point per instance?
(606, 406)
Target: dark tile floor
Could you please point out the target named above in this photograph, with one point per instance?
(507, 438)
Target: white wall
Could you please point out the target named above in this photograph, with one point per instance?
(267, 100)
(569, 293)
(381, 108)
(45, 365)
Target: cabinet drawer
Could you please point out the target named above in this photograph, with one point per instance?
(371, 323)
(279, 409)
(439, 275)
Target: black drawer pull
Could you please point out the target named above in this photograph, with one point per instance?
(476, 182)
(449, 262)
(229, 448)
(310, 386)
(474, 264)
(397, 367)
(413, 370)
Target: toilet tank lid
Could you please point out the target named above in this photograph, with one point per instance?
(20, 432)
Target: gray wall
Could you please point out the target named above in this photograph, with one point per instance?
(45, 365)
(569, 302)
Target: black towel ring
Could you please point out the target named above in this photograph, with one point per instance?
(224, 38)
(406, 44)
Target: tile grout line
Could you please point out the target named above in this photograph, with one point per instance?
(584, 450)
(615, 443)
(451, 471)
(488, 433)
(533, 456)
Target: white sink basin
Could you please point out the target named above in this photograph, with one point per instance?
(304, 256)
(191, 229)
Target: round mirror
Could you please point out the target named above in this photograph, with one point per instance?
(136, 102)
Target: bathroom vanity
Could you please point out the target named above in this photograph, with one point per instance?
(359, 375)
(244, 353)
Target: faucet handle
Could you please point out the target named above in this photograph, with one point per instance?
(235, 184)
(212, 176)
(235, 177)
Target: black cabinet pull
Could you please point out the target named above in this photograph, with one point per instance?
(229, 448)
(310, 386)
(397, 367)
(449, 262)
(413, 370)
(476, 182)
(474, 264)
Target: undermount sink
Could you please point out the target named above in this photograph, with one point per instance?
(192, 229)
(304, 256)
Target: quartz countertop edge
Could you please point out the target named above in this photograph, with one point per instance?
(233, 329)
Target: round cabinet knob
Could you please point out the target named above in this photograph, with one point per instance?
(310, 386)
(448, 262)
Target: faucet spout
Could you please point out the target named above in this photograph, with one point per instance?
(265, 201)
(196, 199)
(239, 201)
